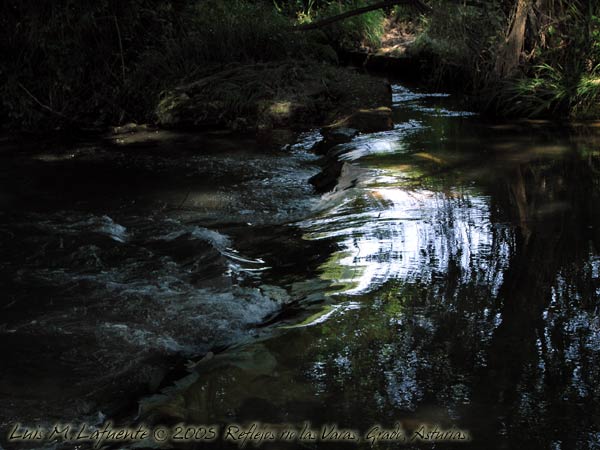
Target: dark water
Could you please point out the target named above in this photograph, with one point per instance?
(451, 279)
(119, 262)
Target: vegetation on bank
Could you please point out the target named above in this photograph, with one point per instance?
(103, 61)
(520, 57)
(534, 58)
(90, 63)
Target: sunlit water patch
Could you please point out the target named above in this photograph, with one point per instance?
(412, 235)
(388, 227)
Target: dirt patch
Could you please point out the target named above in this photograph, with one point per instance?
(397, 38)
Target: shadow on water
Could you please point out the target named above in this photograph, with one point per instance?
(463, 294)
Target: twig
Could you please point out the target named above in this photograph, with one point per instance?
(44, 106)
(120, 46)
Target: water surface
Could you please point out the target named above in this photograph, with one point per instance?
(463, 293)
(450, 279)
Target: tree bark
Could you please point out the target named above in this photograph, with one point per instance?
(509, 56)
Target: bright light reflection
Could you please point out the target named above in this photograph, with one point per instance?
(414, 235)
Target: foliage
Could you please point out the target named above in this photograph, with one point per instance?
(101, 61)
(363, 29)
(354, 32)
(552, 91)
(459, 41)
(558, 62)
(94, 62)
(562, 77)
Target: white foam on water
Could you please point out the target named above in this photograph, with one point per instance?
(218, 240)
(402, 95)
(74, 223)
(107, 226)
(193, 322)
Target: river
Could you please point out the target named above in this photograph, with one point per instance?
(451, 279)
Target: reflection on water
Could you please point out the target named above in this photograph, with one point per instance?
(463, 292)
(412, 235)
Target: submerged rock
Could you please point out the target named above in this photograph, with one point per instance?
(341, 135)
(333, 136)
(341, 132)
(362, 120)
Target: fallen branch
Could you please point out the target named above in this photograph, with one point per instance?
(365, 9)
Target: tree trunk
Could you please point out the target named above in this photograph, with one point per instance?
(509, 56)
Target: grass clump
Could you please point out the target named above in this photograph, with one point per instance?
(563, 75)
(552, 91)
(364, 30)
